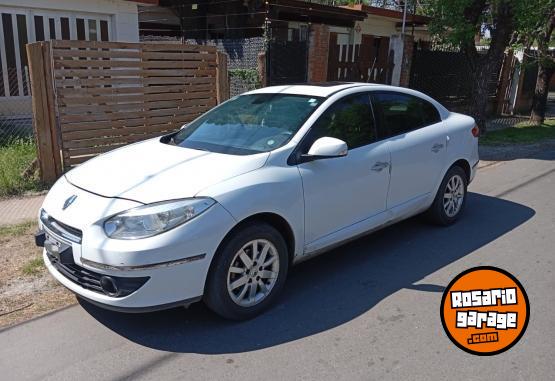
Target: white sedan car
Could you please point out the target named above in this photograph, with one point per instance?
(220, 210)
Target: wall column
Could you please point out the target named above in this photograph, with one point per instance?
(318, 49)
(402, 47)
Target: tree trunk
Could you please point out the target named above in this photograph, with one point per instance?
(486, 65)
(546, 67)
(479, 101)
(540, 94)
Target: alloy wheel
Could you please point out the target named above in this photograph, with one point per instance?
(253, 272)
(454, 196)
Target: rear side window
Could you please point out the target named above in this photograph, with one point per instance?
(349, 119)
(399, 113)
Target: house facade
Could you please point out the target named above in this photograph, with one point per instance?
(26, 21)
(389, 22)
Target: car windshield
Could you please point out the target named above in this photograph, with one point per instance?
(248, 124)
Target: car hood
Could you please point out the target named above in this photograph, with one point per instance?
(152, 171)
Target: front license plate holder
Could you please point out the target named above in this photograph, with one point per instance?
(61, 251)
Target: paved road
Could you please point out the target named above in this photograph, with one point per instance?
(368, 310)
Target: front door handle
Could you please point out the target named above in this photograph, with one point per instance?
(437, 147)
(380, 165)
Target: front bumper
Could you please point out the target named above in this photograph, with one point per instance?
(137, 302)
(158, 272)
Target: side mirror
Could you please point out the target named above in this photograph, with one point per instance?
(325, 148)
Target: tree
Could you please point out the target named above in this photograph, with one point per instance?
(458, 22)
(537, 29)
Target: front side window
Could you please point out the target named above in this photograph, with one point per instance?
(399, 113)
(349, 119)
(249, 124)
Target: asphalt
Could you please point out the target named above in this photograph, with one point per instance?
(367, 310)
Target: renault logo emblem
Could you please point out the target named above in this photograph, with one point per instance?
(69, 201)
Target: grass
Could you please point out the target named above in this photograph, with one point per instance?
(15, 158)
(16, 230)
(522, 133)
(33, 267)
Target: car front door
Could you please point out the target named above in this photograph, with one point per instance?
(417, 141)
(341, 192)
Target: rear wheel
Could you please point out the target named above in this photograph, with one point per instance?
(248, 272)
(450, 198)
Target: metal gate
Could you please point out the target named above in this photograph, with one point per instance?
(445, 74)
(287, 62)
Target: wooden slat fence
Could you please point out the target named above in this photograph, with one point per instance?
(108, 94)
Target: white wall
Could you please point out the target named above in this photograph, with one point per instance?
(124, 14)
(377, 26)
(383, 26)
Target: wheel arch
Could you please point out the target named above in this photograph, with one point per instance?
(275, 220)
(465, 165)
(462, 163)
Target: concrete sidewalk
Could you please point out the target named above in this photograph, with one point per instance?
(17, 210)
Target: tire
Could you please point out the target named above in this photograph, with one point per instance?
(227, 293)
(447, 215)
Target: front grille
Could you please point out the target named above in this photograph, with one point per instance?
(90, 280)
(61, 229)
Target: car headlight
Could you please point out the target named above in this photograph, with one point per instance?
(152, 219)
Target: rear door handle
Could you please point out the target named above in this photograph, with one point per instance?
(380, 165)
(437, 147)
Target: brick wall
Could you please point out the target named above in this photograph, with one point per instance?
(408, 48)
(318, 53)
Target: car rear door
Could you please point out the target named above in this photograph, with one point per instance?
(341, 192)
(417, 142)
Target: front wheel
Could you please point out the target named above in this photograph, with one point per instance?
(450, 198)
(248, 272)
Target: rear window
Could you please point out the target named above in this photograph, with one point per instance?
(399, 113)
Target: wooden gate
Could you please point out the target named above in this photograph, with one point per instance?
(369, 61)
(92, 97)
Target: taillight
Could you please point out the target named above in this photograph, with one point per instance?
(475, 131)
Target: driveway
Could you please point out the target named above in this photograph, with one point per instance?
(367, 310)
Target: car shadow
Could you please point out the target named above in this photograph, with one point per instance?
(330, 290)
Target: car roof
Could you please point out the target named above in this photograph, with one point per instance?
(327, 89)
(321, 89)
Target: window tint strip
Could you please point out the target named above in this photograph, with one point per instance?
(22, 41)
(7, 26)
(92, 30)
(104, 30)
(39, 28)
(2, 91)
(80, 24)
(65, 28)
(52, 27)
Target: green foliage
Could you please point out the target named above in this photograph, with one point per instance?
(458, 21)
(16, 230)
(33, 267)
(249, 76)
(532, 19)
(449, 24)
(15, 158)
(521, 134)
